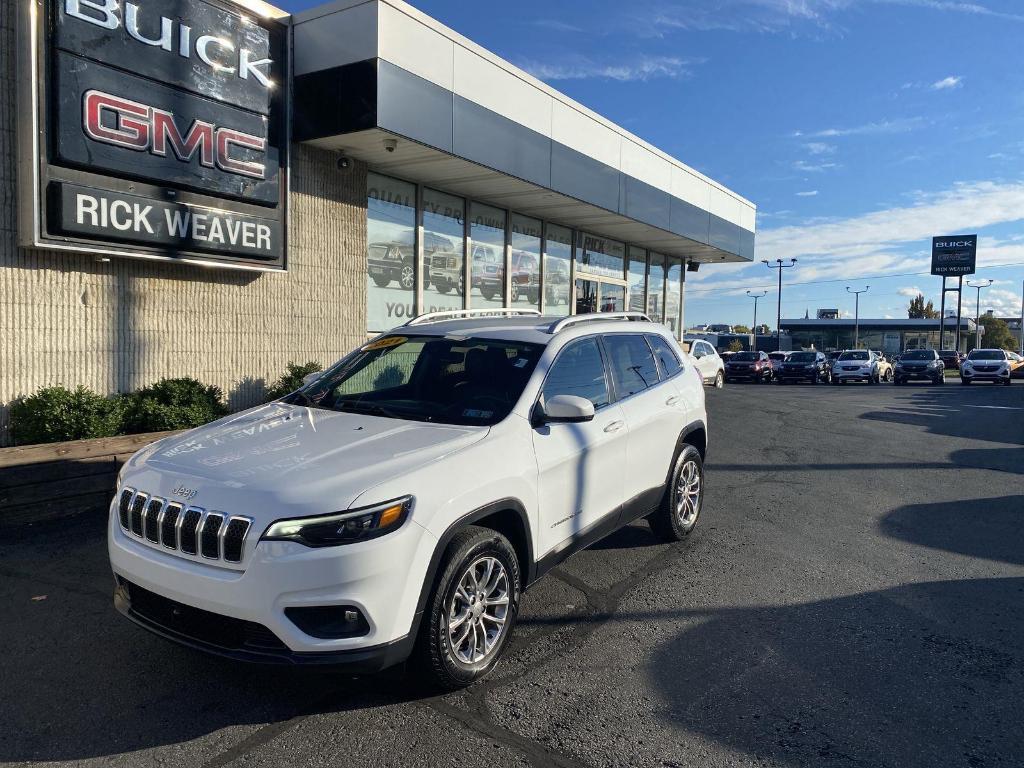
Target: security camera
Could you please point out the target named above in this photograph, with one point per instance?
(343, 162)
(390, 145)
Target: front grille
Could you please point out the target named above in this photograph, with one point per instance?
(986, 368)
(192, 531)
(204, 626)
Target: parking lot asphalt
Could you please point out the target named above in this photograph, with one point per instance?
(853, 595)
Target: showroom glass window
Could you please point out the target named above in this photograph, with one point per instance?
(525, 261)
(557, 261)
(443, 249)
(656, 289)
(673, 294)
(637, 278)
(391, 252)
(600, 256)
(487, 265)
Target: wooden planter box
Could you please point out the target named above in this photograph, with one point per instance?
(53, 480)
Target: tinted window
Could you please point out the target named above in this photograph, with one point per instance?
(803, 357)
(855, 356)
(919, 354)
(667, 359)
(632, 364)
(987, 354)
(579, 371)
(746, 356)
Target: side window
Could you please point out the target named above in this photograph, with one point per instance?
(631, 362)
(667, 359)
(579, 370)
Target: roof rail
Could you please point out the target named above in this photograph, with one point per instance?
(456, 314)
(565, 322)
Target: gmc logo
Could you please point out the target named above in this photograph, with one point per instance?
(143, 128)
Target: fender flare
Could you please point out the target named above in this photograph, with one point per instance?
(441, 547)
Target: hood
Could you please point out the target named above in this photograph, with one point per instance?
(293, 457)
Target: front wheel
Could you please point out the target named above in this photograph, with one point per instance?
(965, 382)
(472, 611)
(719, 380)
(683, 499)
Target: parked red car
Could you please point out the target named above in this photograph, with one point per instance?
(951, 358)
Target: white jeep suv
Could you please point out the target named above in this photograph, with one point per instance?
(400, 503)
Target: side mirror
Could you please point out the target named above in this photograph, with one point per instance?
(309, 378)
(567, 409)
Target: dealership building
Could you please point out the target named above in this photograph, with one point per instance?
(890, 336)
(214, 189)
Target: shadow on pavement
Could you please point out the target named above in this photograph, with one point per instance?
(81, 681)
(927, 674)
(988, 528)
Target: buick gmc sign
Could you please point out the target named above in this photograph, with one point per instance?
(954, 255)
(162, 129)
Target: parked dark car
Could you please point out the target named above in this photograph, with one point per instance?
(811, 367)
(951, 358)
(395, 261)
(525, 275)
(749, 366)
(920, 364)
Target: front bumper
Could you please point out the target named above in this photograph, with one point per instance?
(852, 375)
(381, 578)
(974, 375)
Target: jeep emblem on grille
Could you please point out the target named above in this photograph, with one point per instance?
(185, 493)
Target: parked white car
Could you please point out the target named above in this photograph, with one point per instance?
(398, 504)
(993, 365)
(709, 363)
(856, 365)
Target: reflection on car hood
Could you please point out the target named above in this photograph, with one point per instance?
(297, 454)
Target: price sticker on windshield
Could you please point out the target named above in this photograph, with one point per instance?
(387, 341)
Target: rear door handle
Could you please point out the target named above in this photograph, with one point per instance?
(672, 400)
(615, 426)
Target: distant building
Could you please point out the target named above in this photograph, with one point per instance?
(888, 336)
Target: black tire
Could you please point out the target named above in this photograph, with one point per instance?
(668, 523)
(381, 281)
(965, 382)
(487, 293)
(719, 380)
(1007, 383)
(434, 656)
(443, 286)
(836, 382)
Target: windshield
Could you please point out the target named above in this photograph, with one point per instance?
(427, 378)
(747, 356)
(987, 354)
(803, 357)
(855, 355)
(918, 354)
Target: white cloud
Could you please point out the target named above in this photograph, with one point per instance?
(809, 193)
(947, 83)
(806, 167)
(1002, 302)
(583, 68)
(820, 148)
(895, 240)
(883, 127)
(910, 293)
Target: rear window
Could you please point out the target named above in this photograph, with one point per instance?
(666, 357)
(632, 364)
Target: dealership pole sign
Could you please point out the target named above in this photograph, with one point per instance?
(955, 255)
(155, 129)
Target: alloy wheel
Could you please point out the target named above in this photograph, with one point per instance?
(688, 493)
(478, 610)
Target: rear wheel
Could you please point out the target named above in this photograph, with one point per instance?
(684, 497)
(965, 382)
(472, 610)
(719, 380)
(381, 281)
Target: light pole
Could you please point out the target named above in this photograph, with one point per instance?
(778, 314)
(856, 314)
(977, 311)
(753, 328)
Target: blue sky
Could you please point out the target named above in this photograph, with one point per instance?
(860, 128)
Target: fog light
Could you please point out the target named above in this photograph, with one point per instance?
(329, 622)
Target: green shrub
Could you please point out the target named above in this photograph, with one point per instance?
(55, 414)
(292, 379)
(173, 404)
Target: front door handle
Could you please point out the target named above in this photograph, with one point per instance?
(615, 426)
(672, 400)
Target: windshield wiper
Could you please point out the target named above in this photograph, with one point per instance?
(376, 409)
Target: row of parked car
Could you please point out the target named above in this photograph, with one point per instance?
(840, 367)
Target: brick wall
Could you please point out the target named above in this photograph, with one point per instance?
(114, 326)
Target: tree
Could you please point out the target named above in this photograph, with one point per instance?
(997, 334)
(741, 329)
(918, 310)
(735, 345)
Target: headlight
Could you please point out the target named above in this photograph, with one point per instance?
(342, 527)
